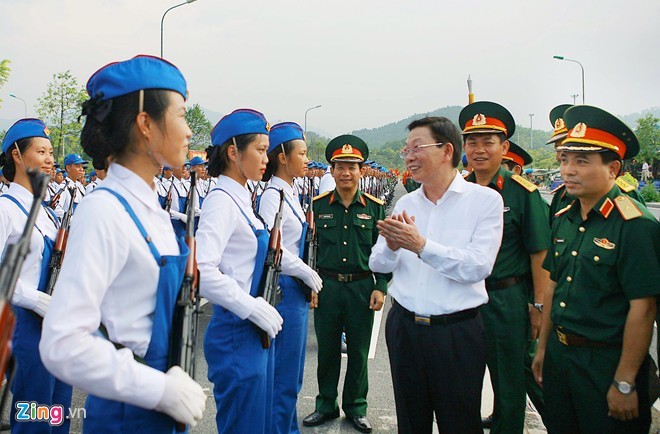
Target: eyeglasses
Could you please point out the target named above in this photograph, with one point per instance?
(405, 151)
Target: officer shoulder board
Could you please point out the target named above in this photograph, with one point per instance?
(527, 185)
(322, 195)
(624, 185)
(558, 188)
(627, 208)
(375, 199)
(563, 210)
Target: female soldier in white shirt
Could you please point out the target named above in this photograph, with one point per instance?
(287, 158)
(27, 145)
(232, 242)
(128, 285)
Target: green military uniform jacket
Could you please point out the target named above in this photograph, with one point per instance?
(526, 228)
(347, 235)
(601, 263)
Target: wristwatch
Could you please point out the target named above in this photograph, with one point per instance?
(539, 307)
(623, 387)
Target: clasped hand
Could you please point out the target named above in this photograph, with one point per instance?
(400, 231)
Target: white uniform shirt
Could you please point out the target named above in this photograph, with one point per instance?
(92, 185)
(12, 223)
(327, 182)
(66, 196)
(179, 189)
(269, 204)
(463, 232)
(227, 249)
(109, 275)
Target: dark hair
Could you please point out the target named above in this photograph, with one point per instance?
(7, 161)
(443, 131)
(218, 155)
(112, 135)
(273, 162)
(610, 156)
(510, 164)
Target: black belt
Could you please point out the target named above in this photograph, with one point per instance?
(446, 319)
(580, 341)
(507, 282)
(345, 277)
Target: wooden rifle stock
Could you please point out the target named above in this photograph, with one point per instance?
(269, 287)
(10, 269)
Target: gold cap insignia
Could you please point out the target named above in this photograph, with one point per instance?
(347, 149)
(579, 130)
(267, 127)
(479, 119)
(559, 124)
(604, 243)
(46, 131)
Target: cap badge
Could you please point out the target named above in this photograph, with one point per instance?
(604, 243)
(347, 149)
(579, 130)
(559, 124)
(46, 131)
(267, 127)
(479, 119)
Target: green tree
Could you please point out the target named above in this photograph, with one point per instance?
(316, 146)
(201, 127)
(648, 134)
(4, 73)
(59, 107)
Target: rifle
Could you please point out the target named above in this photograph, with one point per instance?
(269, 287)
(10, 269)
(55, 198)
(255, 193)
(183, 338)
(60, 244)
(311, 243)
(168, 201)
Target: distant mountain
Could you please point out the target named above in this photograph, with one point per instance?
(631, 119)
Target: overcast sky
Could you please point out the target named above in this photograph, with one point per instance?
(367, 62)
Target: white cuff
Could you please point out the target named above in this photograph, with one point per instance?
(42, 304)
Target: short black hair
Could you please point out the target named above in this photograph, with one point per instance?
(7, 161)
(443, 131)
(610, 156)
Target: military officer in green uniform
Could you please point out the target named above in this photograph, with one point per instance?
(346, 229)
(592, 356)
(517, 273)
(515, 159)
(561, 198)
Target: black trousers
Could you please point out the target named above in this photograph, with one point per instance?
(436, 369)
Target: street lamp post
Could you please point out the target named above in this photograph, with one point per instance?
(531, 131)
(162, 21)
(306, 111)
(24, 103)
(574, 96)
(581, 67)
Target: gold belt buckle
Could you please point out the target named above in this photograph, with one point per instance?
(562, 337)
(342, 277)
(424, 320)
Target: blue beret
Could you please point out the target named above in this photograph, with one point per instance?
(239, 122)
(166, 168)
(196, 161)
(284, 132)
(92, 173)
(141, 72)
(66, 175)
(464, 160)
(74, 159)
(24, 129)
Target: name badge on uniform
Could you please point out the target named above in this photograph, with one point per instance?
(364, 216)
(507, 209)
(559, 240)
(326, 216)
(604, 243)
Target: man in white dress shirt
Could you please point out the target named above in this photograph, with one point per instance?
(440, 244)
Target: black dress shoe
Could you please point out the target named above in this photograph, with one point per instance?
(318, 418)
(487, 422)
(361, 423)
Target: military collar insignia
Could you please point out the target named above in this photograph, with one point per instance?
(604, 243)
(326, 216)
(606, 208)
(364, 217)
(500, 181)
(347, 149)
(579, 130)
(332, 198)
(479, 119)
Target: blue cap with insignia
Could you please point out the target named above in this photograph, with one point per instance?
(196, 161)
(284, 132)
(237, 123)
(74, 159)
(23, 129)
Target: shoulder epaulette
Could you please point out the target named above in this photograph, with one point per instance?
(558, 188)
(466, 175)
(627, 208)
(322, 195)
(563, 210)
(527, 185)
(375, 199)
(624, 185)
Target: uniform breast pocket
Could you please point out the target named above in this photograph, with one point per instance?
(364, 230)
(600, 266)
(327, 231)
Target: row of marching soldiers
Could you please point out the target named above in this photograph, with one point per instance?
(107, 300)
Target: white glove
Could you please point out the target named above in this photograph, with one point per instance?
(183, 399)
(198, 211)
(179, 216)
(312, 280)
(42, 304)
(266, 317)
